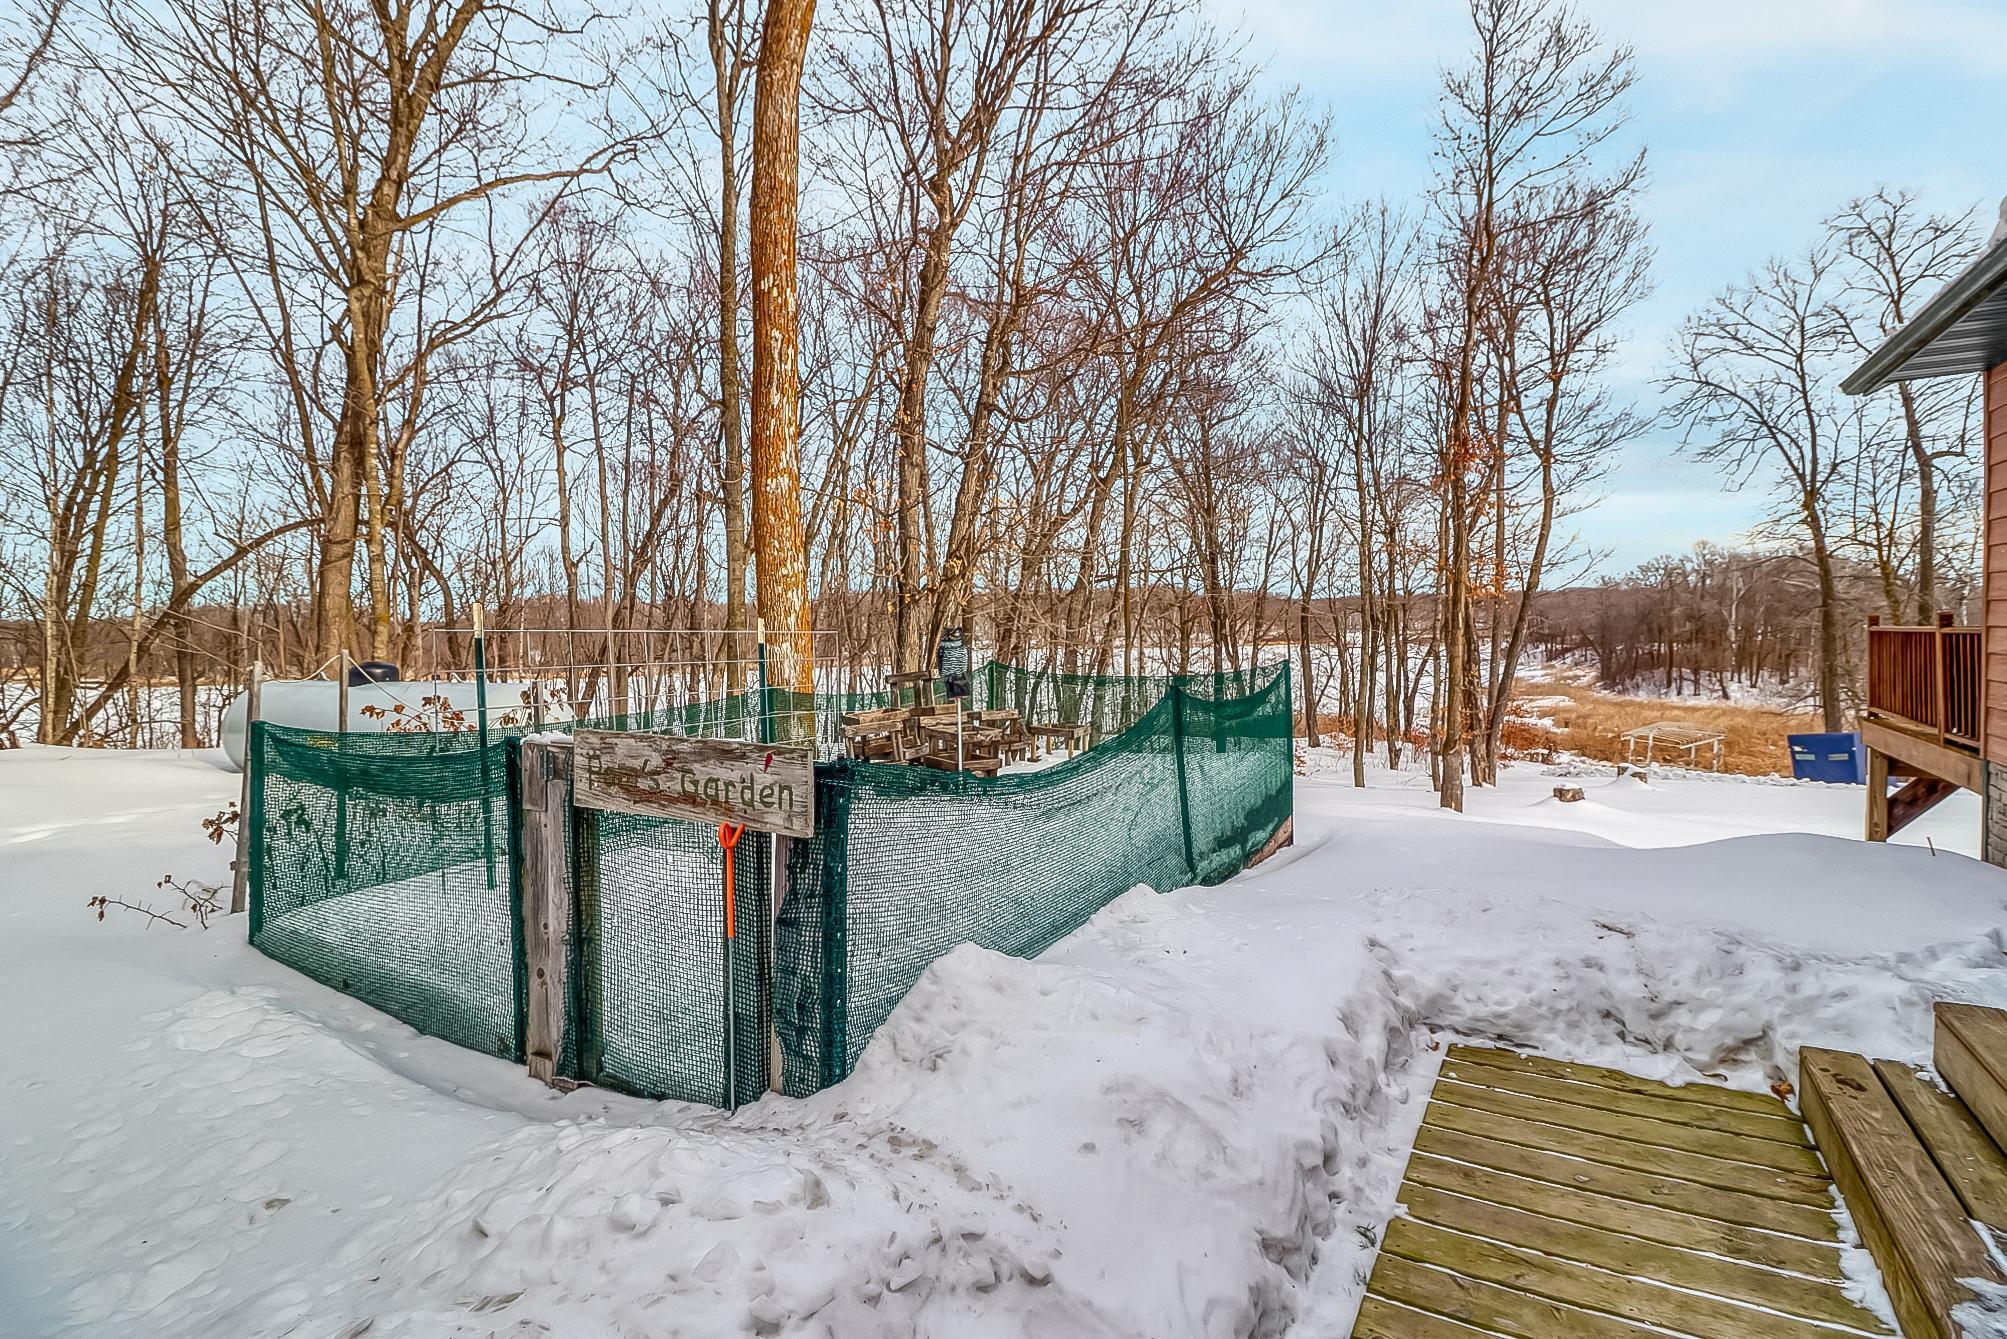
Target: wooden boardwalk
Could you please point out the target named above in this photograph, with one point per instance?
(1547, 1200)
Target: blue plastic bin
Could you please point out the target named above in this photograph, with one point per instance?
(1835, 757)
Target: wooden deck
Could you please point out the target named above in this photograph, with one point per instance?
(1547, 1199)
(1923, 720)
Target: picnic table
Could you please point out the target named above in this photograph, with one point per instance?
(928, 735)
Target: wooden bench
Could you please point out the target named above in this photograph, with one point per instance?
(878, 736)
(1073, 736)
(946, 763)
(978, 748)
(1018, 745)
(921, 682)
(876, 741)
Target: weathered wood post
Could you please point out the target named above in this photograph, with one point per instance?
(546, 900)
(777, 880)
(1878, 796)
(240, 886)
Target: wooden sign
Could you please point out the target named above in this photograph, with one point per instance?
(767, 787)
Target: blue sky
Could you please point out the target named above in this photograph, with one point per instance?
(1761, 117)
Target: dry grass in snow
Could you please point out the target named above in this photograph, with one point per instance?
(1592, 724)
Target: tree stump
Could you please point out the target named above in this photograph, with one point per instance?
(1567, 794)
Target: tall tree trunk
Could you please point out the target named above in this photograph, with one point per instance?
(1926, 508)
(1308, 688)
(354, 452)
(780, 551)
(731, 423)
(1829, 626)
(911, 425)
(172, 540)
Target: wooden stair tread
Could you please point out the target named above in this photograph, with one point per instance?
(1617, 1296)
(1907, 1213)
(1495, 1308)
(1690, 1270)
(1640, 1129)
(1618, 1080)
(1666, 1227)
(1782, 1127)
(1381, 1319)
(1795, 1187)
(1815, 1222)
(1969, 1160)
(1971, 1053)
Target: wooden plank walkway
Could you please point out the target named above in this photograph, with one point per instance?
(1548, 1200)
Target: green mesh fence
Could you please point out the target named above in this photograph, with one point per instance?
(1106, 704)
(909, 863)
(380, 866)
(650, 961)
(383, 866)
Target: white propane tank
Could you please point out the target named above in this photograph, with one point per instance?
(313, 704)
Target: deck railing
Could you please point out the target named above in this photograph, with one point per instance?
(1928, 678)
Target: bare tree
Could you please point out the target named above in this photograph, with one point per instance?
(1895, 256)
(26, 50)
(1753, 383)
(1564, 285)
(350, 137)
(1358, 353)
(1539, 100)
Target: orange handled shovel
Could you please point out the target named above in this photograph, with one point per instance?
(728, 840)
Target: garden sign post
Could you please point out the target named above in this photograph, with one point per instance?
(766, 787)
(729, 784)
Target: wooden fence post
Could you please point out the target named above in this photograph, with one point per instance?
(240, 886)
(546, 893)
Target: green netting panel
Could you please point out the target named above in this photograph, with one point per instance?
(1107, 704)
(809, 951)
(1240, 765)
(650, 975)
(380, 866)
(909, 863)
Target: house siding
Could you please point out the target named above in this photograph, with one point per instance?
(1993, 714)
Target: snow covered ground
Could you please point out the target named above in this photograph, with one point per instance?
(1189, 1119)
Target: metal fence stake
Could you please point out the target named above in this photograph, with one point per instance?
(481, 725)
(241, 877)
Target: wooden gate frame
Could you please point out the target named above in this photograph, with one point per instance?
(545, 877)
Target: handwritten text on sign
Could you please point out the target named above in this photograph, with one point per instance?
(767, 787)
